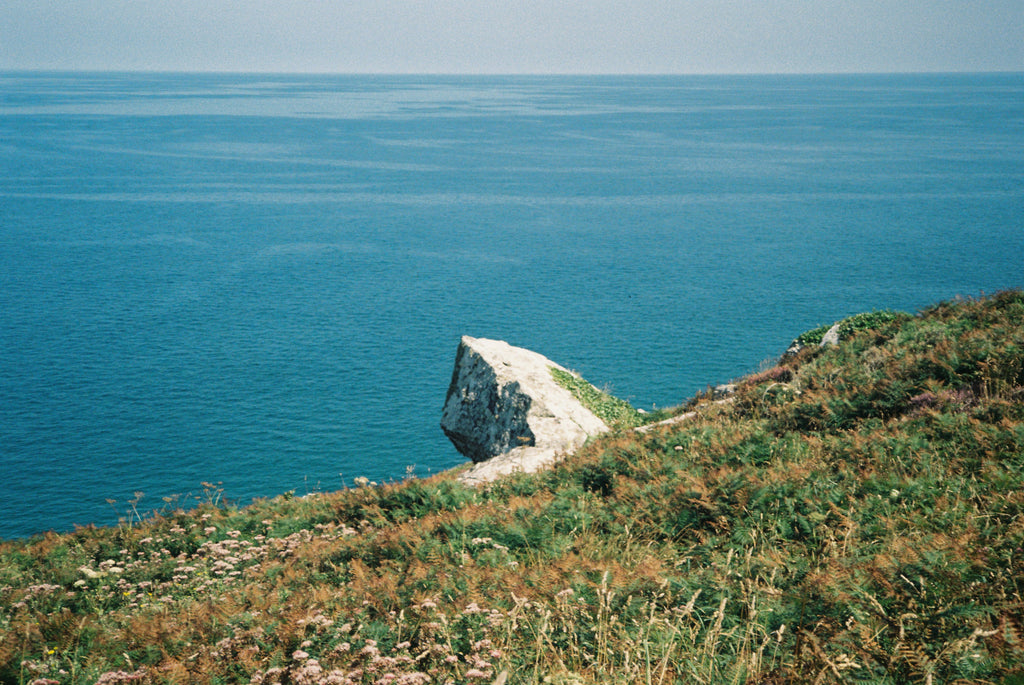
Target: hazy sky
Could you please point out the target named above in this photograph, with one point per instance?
(514, 36)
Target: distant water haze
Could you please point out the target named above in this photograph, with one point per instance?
(261, 281)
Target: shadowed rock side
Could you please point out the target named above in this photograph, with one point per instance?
(484, 416)
(506, 413)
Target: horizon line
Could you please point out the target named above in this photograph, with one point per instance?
(937, 72)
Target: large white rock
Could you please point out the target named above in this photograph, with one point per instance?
(506, 413)
(831, 337)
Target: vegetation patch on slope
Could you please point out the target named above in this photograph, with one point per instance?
(615, 412)
(856, 514)
(850, 325)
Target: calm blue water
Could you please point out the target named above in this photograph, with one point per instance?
(261, 280)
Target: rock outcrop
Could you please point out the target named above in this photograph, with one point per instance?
(506, 413)
(831, 336)
(722, 391)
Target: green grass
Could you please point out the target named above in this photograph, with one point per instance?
(613, 411)
(850, 325)
(854, 515)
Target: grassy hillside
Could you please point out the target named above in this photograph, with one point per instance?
(855, 514)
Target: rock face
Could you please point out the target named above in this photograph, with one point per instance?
(722, 391)
(831, 336)
(506, 413)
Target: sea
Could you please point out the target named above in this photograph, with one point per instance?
(259, 281)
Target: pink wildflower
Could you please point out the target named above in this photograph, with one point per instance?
(117, 677)
(416, 678)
